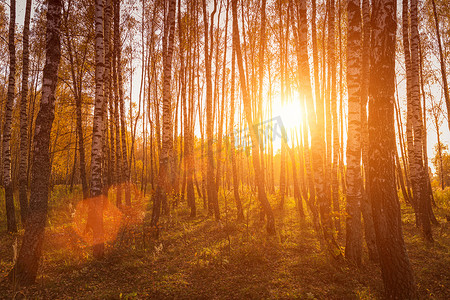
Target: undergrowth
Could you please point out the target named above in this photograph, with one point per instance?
(200, 258)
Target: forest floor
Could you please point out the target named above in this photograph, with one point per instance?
(199, 258)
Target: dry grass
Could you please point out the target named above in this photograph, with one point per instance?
(202, 259)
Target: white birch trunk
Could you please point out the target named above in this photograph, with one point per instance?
(353, 247)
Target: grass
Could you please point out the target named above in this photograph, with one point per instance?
(202, 259)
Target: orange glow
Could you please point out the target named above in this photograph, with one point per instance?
(291, 113)
(112, 218)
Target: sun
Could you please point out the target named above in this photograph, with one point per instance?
(290, 113)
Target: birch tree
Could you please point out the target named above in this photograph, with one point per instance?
(334, 125)
(419, 181)
(164, 185)
(237, 198)
(77, 72)
(23, 165)
(211, 182)
(125, 172)
(270, 225)
(317, 187)
(9, 198)
(27, 264)
(188, 135)
(442, 61)
(396, 269)
(353, 247)
(366, 207)
(108, 97)
(95, 219)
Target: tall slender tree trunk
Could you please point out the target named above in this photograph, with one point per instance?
(253, 133)
(108, 161)
(116, 62)
(439, 150)
(425, 142)
(31, 112)
(112, 125)
(353, 247)
(282, 189)
(296, 184)
(95, 218)
(188, 137)
(408, 197)
(301, 36)
(315, 58)
(317, 142)
(366, 207)
(219, 149)
(335, 130)
(341, 106)
(316, 125)
(124, 163)
(23, 178)
(27, 264)
(327, 59)
(112, 86)
(9, 198)
(442, 62)
(237, 198)
(424, 203)
(211, 181)
(164, 185)
(396, 269)
(415, 123)
(408, 67)
(74, 168)
(84, 184)
(319, 151)
(261, 54)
